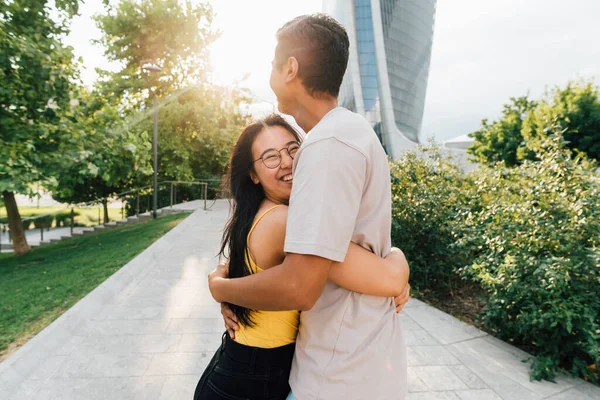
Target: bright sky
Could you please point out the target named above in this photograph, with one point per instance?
(484, 52)
(248, 40)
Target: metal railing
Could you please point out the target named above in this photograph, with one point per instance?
(173, 195)
(131, 203)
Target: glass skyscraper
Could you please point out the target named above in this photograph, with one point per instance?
(390, 51)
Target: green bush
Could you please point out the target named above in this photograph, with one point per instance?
(41, 222)
(534, 234)
(64, 219)
(25, 222)
(429, 193)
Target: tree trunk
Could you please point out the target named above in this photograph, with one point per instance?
(15, 224)
(105, 204)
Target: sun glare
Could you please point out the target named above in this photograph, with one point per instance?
(244, 51)
(241, 55)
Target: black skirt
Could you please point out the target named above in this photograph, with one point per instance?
(239, 372)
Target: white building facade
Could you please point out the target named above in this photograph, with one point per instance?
(388, 68)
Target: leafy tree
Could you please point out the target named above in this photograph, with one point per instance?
(197, 132)
(198, 121)
(36, 80)
(502, 140)
(519, 132)
(115, 155)
(170, 34)
(575, 108)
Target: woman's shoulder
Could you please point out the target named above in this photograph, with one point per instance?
(271, 219)
(267, 242)
(275, 216)
(280, 210)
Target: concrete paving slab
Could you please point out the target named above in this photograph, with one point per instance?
(445, 395)
(138, 388)
(439, 378)
(420, 337)
(409, 324)
(469, 377)
(433, 355)
(179, 364)
(477, 394)
(179, 387)
(571, 394)
(589, 390)
(198, 343)
(443, 327)
(104, 365)
(491, 362)
(129, 344)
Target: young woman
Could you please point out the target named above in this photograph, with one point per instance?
(256, 363)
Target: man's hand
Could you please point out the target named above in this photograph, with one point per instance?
(219, 273)
(230, 320)
(401, 300)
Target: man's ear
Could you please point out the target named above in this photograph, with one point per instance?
(292, 69)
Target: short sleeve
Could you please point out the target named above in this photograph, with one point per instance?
(329, 180)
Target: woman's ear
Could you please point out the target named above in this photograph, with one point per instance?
(254, 178)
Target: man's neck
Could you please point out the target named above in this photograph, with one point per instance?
(310, 111)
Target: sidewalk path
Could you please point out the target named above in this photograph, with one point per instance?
(151, 328)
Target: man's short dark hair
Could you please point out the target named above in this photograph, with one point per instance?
(320, 44)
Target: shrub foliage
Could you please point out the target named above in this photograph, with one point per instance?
(428, 192)
(528, 235)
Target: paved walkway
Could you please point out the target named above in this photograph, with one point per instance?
(150, 329)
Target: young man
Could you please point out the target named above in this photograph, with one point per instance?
(349, 346)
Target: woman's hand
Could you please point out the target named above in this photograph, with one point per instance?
(395, 258)
(400, 301)
(230, 320)
(396, 262)
(366, 273)
(219, 273)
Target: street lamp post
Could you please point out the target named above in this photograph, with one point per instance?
(155, 159)
(154, 68)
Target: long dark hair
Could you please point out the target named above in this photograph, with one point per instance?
(246, 198)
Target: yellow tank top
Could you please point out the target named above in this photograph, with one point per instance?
(271, 328)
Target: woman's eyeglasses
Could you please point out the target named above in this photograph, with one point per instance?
(272, 158)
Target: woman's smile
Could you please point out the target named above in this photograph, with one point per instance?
(287, 178)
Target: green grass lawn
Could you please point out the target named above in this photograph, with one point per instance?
(38, 287)
(83, 216)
